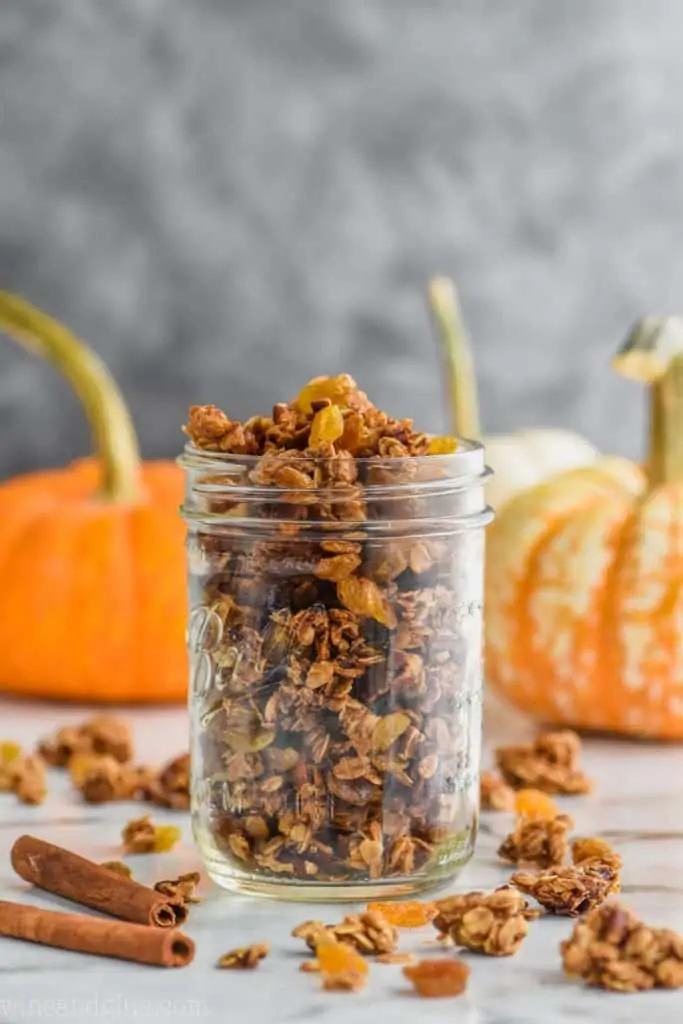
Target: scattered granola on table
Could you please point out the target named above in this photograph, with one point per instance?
(245, 958)
(495, 794)
(336, 643)
(102, 734)
(435, 978)
(611, 948)
(550, 763)
(370, 933)
(569, 891)
(142, 836)
(537, 842)
(493, 923)
(27, 778)
(184, 887)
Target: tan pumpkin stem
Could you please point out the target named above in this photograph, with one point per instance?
(653, 355)
(113, 432)
(462, 383)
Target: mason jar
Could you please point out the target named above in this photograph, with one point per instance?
(335, 646)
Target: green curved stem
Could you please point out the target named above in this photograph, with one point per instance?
(653, 355)
(462, 382)
(114, 436)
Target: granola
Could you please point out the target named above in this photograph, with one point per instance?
(550, 764)
(569, 891)
(142, 836)
(244, 958)
(537, 842)
(492, 923)
(369, 933)
(611, 948)
(434, 978)
(27, 778)
(183, 887)
(118, 867)
(102, 734)
(336, 698)
(495, 794)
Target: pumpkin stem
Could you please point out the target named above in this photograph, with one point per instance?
(653, 355)
(444, 306)
(113, 433)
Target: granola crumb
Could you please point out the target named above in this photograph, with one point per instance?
(142, 836)
(182, 887)
(436, 978)
(493, 923)
(612, 949)
(569, 891)
(118, 867)
(310, 966)
(495, 794)
(537, 842)
(102, 734)
(28, 778)
(550, 764)
(244, 958)
(396, 958)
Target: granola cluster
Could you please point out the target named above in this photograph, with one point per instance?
(143, 836)
(98, 755)
(550, 764)
(570, 890)
(495, 794)
(369, 933)
(610, 948)
(338, 717)
(22, 774)
(537, 842)
(492, 923)
(244, 958)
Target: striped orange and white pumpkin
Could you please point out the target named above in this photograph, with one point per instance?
(584, 571)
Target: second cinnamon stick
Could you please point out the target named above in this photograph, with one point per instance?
(96, 935)
(75, 878)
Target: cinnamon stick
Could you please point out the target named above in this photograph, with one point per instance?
(125, 941)
(67, 874)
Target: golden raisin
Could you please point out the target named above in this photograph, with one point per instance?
(442, 446)
(364, 598)
(341, 966)
(433, 978)
(408, 914)
(8, 751)
(327, 425)
(165, 837)
(532, 803)
(334, 388)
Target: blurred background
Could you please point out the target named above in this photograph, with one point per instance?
(227, 197)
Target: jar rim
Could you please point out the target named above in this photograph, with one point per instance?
(466, 462)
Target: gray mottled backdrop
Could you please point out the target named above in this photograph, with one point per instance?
(229, 196)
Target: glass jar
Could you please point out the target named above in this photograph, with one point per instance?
(335, 644)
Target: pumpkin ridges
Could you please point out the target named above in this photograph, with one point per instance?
(566, 573)
(514, 537)
(644, 643)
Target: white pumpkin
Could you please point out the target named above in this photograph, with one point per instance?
(518, 460)
(528, 457)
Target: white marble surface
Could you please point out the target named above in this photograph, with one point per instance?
(638, 805)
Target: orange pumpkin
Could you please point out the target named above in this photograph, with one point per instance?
(585, 574)
(92, 565)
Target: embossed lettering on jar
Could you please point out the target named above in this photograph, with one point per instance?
(336, 676)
